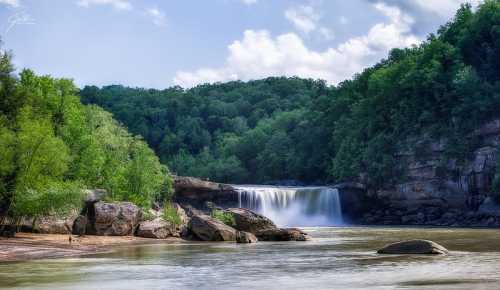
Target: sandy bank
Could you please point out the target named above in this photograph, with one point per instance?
(27, 246)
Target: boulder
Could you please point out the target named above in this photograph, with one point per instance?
(245, 238)
(55, 224)
(291, 234)
(414, 247)
(248, 221)
(116, 219)
(207, 228)
(80, 225)
(156, 229)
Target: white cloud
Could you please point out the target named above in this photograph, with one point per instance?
(260, 55)
(304, 18)
(157, 16)
(249, 2)
(117, 4)
(12, 3)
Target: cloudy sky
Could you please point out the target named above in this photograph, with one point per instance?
(158, 43)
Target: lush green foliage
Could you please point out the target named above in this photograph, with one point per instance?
(288, 128)
(52, 147)
(223, 216)
(170, 214)
(232, 132)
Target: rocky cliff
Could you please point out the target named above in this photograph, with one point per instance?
(442, 191)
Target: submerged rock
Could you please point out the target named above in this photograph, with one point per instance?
(291, 234)
(207, 228)
(414, 247)
(156, 229)
(248, 221)
(116, 219)
(245, 238)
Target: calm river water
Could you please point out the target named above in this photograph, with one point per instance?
(337, 258)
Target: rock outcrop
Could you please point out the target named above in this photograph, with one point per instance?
(249, 221)
(156, 229)
(115, 219)
(55, 225)
(278, 234)
(245, 238)
(442, 191)
(207, 228)
(196, 192)
(421, 247)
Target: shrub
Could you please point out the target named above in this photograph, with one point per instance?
(170, 214)
(223, 216)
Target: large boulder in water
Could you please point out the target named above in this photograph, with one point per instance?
(414, 247)
(276, 234)
(156, 229)
(248, 221)
(207, 228)
(116, 219)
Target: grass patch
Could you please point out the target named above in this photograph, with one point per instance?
(225, 217)
(170, 214)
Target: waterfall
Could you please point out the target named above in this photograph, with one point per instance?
(293, 206)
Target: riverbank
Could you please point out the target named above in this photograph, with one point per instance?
(28, 246)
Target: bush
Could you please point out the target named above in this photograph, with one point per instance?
(170, 214)
(148, 215)
(225, 217)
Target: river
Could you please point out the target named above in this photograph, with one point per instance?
(336, 258)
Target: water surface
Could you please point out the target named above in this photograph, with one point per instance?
(337, 258)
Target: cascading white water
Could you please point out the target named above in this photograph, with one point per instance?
(293, 206)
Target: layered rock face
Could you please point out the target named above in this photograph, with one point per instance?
(56, 225)
(197, 192)
(442, 191)
(116, 219)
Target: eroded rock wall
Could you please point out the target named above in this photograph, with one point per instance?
(442, 191)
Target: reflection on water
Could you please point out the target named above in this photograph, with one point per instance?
(337, 258)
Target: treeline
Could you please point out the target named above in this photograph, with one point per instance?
(52, 147)
(233, 132)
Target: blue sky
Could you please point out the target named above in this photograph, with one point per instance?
(155, 43)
